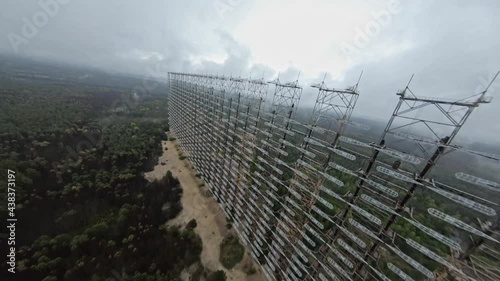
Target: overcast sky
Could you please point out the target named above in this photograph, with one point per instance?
(452, 47)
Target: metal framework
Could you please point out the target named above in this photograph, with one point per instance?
(316, 200)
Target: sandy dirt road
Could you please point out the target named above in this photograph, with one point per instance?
(211, 222)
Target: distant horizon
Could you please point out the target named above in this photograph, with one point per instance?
(303, 107)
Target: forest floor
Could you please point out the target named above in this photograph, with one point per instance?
(199, 205)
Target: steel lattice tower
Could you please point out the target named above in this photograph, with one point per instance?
(317, 201)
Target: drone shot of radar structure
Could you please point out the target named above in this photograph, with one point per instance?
(312, 198)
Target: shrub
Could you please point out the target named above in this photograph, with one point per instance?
(251, 271)
(191, 224)
(231, 252)
(219, 275)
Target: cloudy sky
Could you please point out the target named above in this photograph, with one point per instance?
(452, 47)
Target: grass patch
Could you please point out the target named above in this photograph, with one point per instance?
(231, 252)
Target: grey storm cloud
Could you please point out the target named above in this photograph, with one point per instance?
(450, 46)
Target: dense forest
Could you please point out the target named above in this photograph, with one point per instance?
(84, 209)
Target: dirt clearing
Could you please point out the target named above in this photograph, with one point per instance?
(196, 204)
